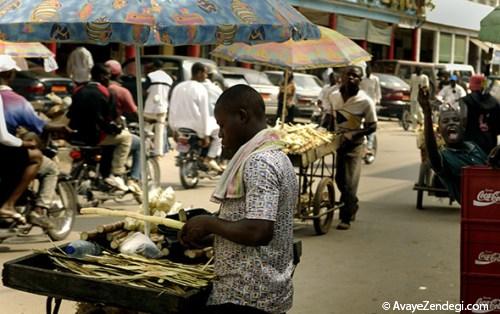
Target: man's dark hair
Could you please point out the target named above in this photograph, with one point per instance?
(242, 96)
(97, 70)
(197, 68)
(157, 64)
(418, 70)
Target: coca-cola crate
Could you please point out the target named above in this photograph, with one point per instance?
(480, 290)
(480, 193)
(480, 250)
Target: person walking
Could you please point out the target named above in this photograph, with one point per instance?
(418, 80)
(355, 118)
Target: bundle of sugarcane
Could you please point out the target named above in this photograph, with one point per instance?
(300, 138)
(170, 277)
(111, 236)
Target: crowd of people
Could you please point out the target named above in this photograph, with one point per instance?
(257, 192)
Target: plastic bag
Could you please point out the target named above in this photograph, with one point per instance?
(138, 243)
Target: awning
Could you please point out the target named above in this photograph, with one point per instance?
(484, 45)
(480, 44)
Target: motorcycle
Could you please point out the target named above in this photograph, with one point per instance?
(60, 214)
(87, 172)
(189, 160)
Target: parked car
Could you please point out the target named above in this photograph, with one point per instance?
(260, 82)
(395, 96)
(307, 86)
(231, 79)
(35, 83)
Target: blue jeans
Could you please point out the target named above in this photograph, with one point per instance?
(135, 152)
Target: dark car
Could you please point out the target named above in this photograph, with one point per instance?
(34, 84)
(395, 96)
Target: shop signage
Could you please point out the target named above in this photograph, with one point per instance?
(407, 6)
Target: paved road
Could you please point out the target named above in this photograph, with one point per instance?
(392, 253)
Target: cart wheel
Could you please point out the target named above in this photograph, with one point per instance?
(423, 180)
(324, 199)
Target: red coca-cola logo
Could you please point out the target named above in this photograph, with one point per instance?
(492, 305)
(487, 197)
(487, 257)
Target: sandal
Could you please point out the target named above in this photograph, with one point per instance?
(7, 214)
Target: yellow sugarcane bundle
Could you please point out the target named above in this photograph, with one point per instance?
(300, 138)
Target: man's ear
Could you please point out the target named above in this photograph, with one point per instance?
(244, 116)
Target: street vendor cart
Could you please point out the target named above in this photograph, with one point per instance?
(316, 201)
(312, 153)
(427, 181)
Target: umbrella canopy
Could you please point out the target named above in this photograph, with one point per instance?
(24, 50)
(490, 27)
(331, 50)
(153, 22)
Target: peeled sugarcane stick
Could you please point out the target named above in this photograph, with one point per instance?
(89, 235)
(171, 223)
(111, 227)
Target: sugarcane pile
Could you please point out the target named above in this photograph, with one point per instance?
(300, 138)
(114, 236)
(165, 275)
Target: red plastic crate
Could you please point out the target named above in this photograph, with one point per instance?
(480, 250)
(480, 193)
(480, 290)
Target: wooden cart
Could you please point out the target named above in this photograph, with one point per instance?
(317, 192)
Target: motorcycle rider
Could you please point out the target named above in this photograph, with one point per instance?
(19, 113)
(125, 106)
(190, 109)
(93, 115)
(156, 105)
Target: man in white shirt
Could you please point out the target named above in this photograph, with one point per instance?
(451, 93)
(80, 62)
(215, 149)
(371, 86)
(355, 117)
(190, 109)
(418, 80)
(156, 106)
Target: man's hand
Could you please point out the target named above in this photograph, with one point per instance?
(205, 142)
(195, 230)
(424, 99)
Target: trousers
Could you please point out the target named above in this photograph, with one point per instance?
(348, 161)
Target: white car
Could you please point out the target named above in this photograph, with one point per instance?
(257, 80)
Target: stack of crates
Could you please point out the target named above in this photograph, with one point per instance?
(480, 237)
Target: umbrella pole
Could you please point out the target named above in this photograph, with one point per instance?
(142, 134)
(283, 110)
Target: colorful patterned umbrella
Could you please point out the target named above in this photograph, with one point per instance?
(24, 50)
(153, 22)
(331, 50)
